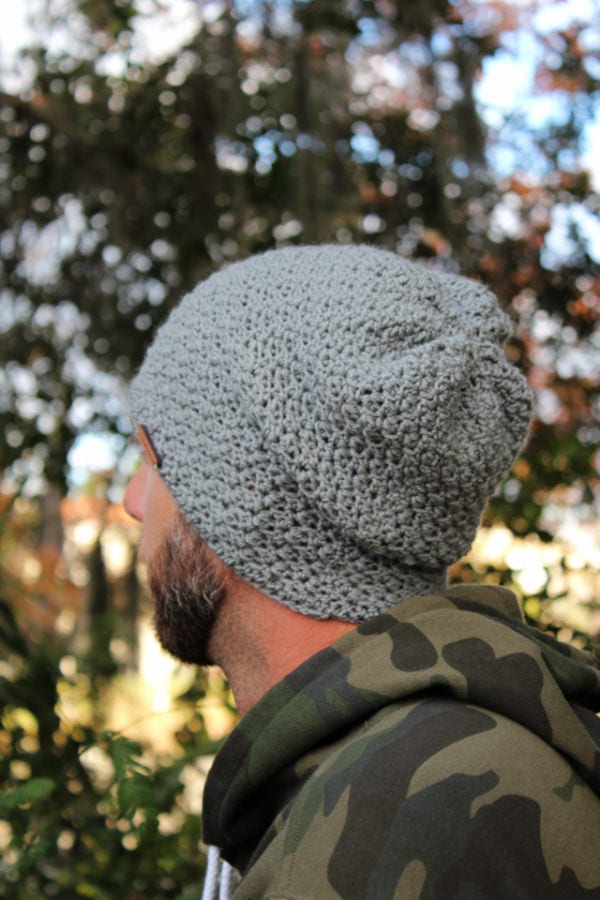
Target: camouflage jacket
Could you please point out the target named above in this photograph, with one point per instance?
(441, 750)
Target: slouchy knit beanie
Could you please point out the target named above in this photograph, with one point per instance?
(332, 420)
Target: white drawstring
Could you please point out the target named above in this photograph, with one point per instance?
(211, 876)
(225, 881)
(218, 874)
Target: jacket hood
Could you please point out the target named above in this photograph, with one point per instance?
(470, 643)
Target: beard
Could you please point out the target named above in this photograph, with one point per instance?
(188, 590)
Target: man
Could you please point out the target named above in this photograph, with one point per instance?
(322, 427)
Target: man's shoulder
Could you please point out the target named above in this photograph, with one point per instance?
(411, 747)
(421, 788)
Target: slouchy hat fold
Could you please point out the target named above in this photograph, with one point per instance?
(332, 420)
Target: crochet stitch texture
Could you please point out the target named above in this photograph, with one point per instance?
(332, 420)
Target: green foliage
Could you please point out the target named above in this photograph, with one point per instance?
(85, 815)
(35, 789)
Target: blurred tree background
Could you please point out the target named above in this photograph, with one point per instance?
(143, 145)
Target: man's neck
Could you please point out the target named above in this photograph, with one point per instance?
(258, 641)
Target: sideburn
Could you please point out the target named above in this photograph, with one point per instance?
(188, 592)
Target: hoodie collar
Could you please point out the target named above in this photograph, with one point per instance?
(468, 642)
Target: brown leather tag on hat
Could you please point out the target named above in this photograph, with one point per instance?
(146, 442)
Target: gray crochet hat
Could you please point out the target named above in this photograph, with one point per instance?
(332, 420)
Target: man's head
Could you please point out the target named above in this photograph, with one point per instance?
(332, 420)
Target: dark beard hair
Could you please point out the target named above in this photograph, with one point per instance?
(188, 591)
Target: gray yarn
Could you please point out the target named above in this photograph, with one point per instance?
(332, 420)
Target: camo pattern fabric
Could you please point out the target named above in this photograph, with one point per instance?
(441, 750)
